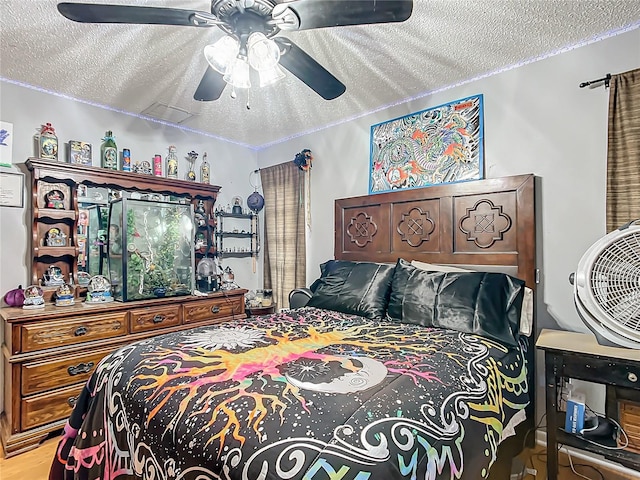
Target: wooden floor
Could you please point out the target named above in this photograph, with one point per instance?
(34, 465)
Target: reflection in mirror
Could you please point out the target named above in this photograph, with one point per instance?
(93, 216)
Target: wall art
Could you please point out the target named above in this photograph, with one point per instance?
(6, 144)
(11, 189)
(443, 144)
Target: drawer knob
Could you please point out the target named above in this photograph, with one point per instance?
(215, 309)
(80, 368)
(80, 331)
(158, 318)
(632, 377)
(71, 401)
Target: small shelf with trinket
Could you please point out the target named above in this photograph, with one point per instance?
(233, 225)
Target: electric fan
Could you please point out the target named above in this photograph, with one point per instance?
(607, 287)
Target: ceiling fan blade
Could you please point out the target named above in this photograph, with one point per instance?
(94, 13)
(332, 13)
(300, 64)
(211, 86)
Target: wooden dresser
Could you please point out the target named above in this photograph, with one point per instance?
(49, 353)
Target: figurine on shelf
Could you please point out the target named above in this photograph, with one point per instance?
(53, 276)
(172, 163)
(64, 296)
(200, 207)
(48, 142)
(33, 297)
(99, 290)
(237, 206)
(204, 169)
(83, 278)
(54, 199)
(55, 238)
(192, 156)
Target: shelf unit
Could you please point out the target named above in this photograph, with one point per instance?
(226, 232)
(49, 175)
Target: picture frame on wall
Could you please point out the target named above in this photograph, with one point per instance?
(11, 189)
(6, 144)
(443, 144)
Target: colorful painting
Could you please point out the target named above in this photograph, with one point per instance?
(443, 144)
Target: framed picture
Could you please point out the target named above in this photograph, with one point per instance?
(6, 144)
(11, 189)
(80, 152)
(443, 144)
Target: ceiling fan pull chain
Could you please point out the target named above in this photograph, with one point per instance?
(233, 92)
(248, 95)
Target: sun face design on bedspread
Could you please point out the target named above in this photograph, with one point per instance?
(247, 381)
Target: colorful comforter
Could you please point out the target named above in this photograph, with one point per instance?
(307, 394)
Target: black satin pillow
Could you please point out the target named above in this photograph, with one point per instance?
(481, 303)
(359, 288)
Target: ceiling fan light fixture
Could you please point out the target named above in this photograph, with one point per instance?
(222, 53)
(238, 73)
(263, 52)
(269, 76)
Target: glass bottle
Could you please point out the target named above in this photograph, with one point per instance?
(48, 143)
(109, 152)
(172, 163)
(204, 169)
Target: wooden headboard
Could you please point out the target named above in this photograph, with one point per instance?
(486, 222)
(486, 225)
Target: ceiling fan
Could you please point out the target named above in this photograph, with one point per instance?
(252, 40)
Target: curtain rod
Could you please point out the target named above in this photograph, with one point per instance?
(606, 81)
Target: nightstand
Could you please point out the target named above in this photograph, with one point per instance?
(579, 356)
(253, 311)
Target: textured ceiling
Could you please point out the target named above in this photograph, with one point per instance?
(445, 42)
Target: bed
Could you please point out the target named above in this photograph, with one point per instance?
(396, 368)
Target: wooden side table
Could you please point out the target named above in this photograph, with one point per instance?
(253, 311)
(579, 356)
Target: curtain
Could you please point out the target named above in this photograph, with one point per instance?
(623, 150)
(284, 230)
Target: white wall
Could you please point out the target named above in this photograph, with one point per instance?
(536, 120)
(28, 109)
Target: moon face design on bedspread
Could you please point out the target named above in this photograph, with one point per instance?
(311, 394)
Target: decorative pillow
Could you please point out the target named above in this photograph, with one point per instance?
(359, 288)
(481, 303)
(526, 315)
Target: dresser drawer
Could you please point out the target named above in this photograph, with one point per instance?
(47, 334)
(221, 308)
(153, 318)
(60, 372)
(49, 407)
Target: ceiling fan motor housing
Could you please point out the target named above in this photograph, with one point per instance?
(607, 287)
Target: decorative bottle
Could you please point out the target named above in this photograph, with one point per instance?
(172, 163)
(157, 165)
(109, 152)
(126, 160)
(204, 169)
(48, 143)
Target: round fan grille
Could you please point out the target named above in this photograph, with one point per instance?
(608, 287)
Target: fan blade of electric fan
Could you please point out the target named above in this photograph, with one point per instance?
(92, 13)
(303, 66)
(332, 13)
(211, 86)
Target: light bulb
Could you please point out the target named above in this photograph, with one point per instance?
(263, 52)
(222, 53)
(238, 73)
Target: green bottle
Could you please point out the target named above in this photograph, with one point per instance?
(109, 152)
